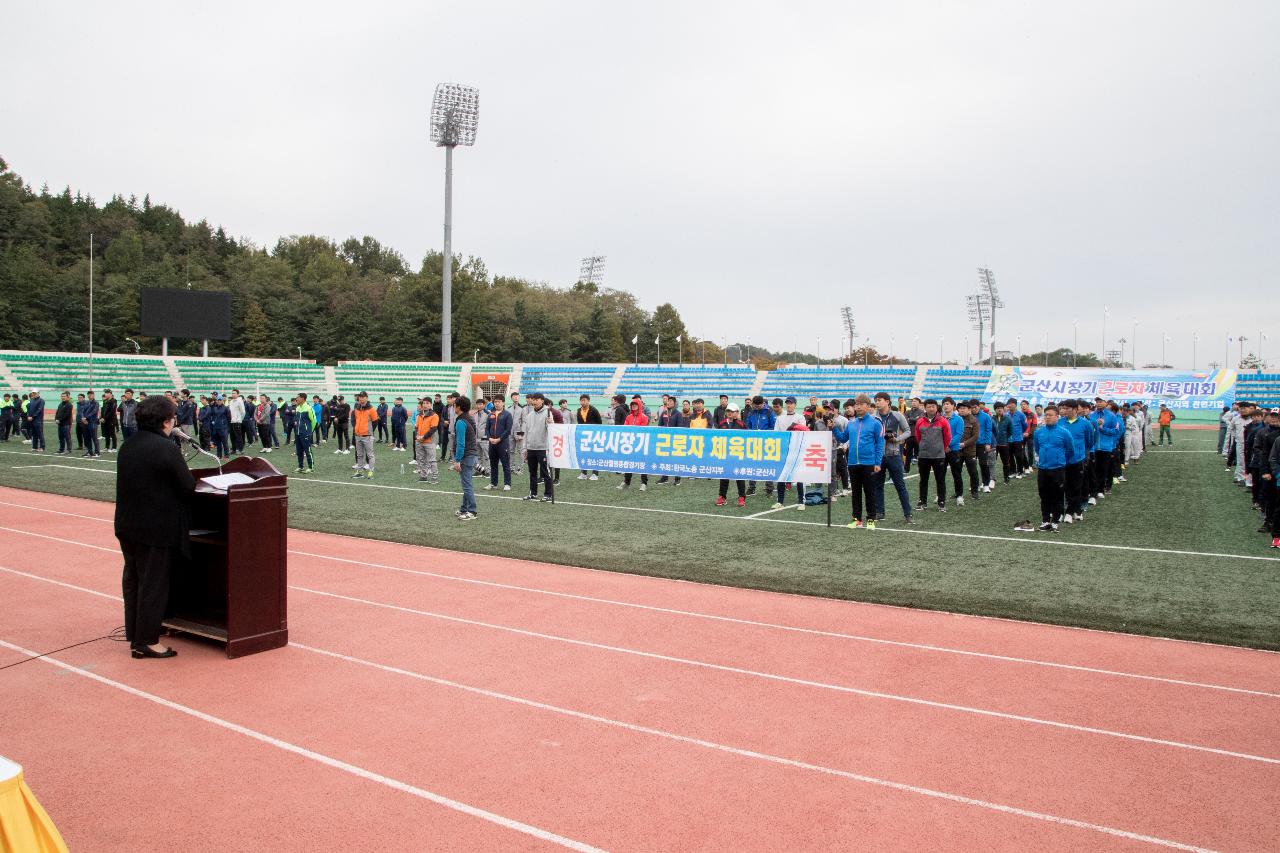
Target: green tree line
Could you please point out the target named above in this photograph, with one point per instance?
(355, 299)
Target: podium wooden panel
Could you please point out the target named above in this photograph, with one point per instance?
(235, 587)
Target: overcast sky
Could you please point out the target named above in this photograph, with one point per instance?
(758, 165)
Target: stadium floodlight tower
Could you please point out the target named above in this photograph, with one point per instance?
(979, 316)
(455, 113)
(850, 328)
(987, 289)
(592, 270)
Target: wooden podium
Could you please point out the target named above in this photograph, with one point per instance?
(235, 588)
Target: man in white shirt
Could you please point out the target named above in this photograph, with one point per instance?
(235, 410)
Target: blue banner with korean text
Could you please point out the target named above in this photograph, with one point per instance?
(1210, 389)
(730, 454)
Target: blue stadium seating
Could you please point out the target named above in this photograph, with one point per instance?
(838, 383)
(566, 380)
(940, 382)
(1260, 388)
(688, 382)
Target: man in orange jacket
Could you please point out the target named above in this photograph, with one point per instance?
(363, 418)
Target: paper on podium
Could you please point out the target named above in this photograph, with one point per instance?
(222, 481)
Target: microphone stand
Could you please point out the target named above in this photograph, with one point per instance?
(189, 440)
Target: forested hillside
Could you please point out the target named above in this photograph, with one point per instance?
(353, 299)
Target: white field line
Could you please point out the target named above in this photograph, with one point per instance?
(759, 517)
(744, 753)
(68, 467)
(320, 758)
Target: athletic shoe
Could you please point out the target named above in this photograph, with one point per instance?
(720, 501)
(643, 487)
(1023, 527)
(336, 452)
(1017, 476)
(368, 475)
(800, 507)
(959, 500)
(489, 487)
(1079, 516)
(530, 498)
(1093, 501)
(975, 496)
(871, 525)
(1121, 480)
(311, 470)
(1100, 495)
(424, 479)
(1069, 518)
(622, 486)
(506, 488)
(547, 500)
(751, 491)
(299, 470)
(355, 467)
(1275, 543)
(359, 475)
(942, 508)
(467, 516)
(593, 477)
(920, 507)
(1045, 528)
(662, 481)
(909, 520)
(880, 516)
(742, 502)
(991, 485)
(855, 525)
(582, 476)
(777, 506)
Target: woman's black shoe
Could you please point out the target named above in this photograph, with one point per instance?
(146, 652)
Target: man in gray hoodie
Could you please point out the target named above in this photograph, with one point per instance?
(536, 421)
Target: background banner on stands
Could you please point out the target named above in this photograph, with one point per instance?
(1176, 389)
(731, 454)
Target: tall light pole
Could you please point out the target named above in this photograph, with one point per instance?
(1195, 339)
(891, 352)
(1075, 341)
(455, 113)
(917, 349)
(591, 271)
(1019, 350)
(1106, 312)
(1164, 339)
(1262, 365)
(1241, 339)
(1122, 342)
(941, 338)
(850, 327)
(1133, 347)
(987, 288)
(1044, 343)
(1226, 353)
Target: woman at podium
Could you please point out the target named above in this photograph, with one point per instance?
(153, 487)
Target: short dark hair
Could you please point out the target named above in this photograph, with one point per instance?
(462, 403)
(850, 402)
(585, 397)
(154, 411)
(1051, 408)
(698, 400)
(931, 402)
(882, 395)
(948, 400)
(757, 400)
(724, 396)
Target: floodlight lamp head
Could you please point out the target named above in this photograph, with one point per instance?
(455, 114)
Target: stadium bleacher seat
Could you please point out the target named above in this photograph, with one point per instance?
(1260, 388)
(567, 381)
(687, 382)
(396, 379)
(54, 373)
(838, 383)
(203, 375)
(939, 383)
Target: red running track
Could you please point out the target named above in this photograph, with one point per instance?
(437, 700)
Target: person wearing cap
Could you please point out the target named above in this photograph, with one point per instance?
(732, 420)
(782, 422)
(219, 426)
(760, 417)
(35, 420)
(364, 417)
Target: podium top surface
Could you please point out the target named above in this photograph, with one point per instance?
(257, 468)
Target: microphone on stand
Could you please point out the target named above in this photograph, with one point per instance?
(189, 440)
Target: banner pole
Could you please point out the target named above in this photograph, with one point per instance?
(828, 504)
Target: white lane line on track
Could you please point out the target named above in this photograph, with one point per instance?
(916, 531)
(320, 758)
(707, 616)
(752, 754)
(744, 753)
(769, 676)
(791, 628)
(56, 465)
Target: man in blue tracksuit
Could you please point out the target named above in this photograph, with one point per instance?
(89, 420)
(954, 462)
(986, 441)
(1053, 446)
(865, 435)
(1017, 432)
(1081, 431)
(500, 428)
(35, 420)
(220, 426)
(1110, 430)
(399, 417)
(760, 417)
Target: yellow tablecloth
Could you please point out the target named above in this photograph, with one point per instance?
(24, 825)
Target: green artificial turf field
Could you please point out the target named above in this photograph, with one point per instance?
(1200, 570)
